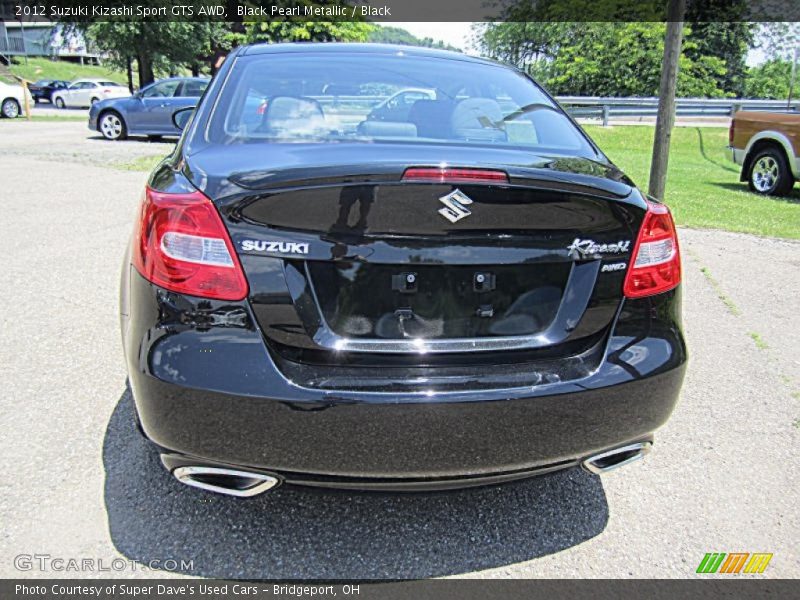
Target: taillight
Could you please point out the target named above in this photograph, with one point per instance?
(182, 245)
(656, 258)
(731, 132)
(454, 175)
(106, 91)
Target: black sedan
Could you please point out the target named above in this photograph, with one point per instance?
(468, 295)
(44, 88)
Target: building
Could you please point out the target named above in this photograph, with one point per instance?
(43, 38)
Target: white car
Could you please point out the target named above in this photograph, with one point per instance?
(85, 92)
(12, 99)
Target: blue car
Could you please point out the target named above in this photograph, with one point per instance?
(149, 111)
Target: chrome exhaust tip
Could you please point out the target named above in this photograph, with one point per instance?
(230, 482)
(618, 457)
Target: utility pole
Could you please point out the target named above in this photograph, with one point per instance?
(666, 98)
(791, 81)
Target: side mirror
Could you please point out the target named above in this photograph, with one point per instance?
(181, 118)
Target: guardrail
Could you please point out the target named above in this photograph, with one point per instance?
(604, 108)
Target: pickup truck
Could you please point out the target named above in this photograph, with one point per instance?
(767, 146)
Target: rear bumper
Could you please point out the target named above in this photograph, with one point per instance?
(206, 388)
(735, 155)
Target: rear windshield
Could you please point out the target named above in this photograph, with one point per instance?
(286, 98)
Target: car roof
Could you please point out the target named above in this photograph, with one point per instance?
(182, 79)
(354, 48)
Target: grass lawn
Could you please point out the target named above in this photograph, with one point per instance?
(44, 68)
(141, 163)
(703, 187)
(42, 118)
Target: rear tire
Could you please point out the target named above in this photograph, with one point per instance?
(60, 102)
(9, 109)
(112, 126)
(769, 173)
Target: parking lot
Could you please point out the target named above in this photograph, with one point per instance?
(79, 482)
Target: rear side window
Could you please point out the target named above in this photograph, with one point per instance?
(193, 89)
(340, 97)
(165, 89)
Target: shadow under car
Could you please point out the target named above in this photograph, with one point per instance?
(294, 532)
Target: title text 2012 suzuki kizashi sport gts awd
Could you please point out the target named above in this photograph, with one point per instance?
(383, 267)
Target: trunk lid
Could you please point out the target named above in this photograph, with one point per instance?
(344, 256)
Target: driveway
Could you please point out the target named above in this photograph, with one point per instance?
(78, 481)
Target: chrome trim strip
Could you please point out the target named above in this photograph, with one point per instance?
(186, 476)
(582, 276)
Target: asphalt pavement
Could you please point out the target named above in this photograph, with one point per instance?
(79, 482)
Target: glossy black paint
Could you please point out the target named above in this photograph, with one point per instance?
(43, 89)
(257, 384)
(206, 386)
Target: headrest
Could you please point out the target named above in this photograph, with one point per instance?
(387, 129)
(478, 119)
(432, 118)
(294, 114)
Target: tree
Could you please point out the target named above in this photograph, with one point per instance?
(392, 35)
(397, 35)
(778, 40)
(769, 80)
(728, 42)
(306, 31)
(156, 46)
(296, 29)
(602, 59)
(719, 29)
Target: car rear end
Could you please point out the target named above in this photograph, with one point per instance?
(40, 90)
(111, 89)
(314, 298)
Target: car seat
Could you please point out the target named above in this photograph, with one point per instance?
(432, 118)
(293, 115)
(479, 119)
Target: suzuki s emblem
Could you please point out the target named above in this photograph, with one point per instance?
(455, 206)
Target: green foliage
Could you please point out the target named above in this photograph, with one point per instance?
(274, 31)
(392, 35)
(703, 187)
(296, 29)
(778, 40)
(621, 58)
(396, 35)
(610, 59)
(728, 43)
(165, 48)
(44, 68)
(158, 47)
(769, 80)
